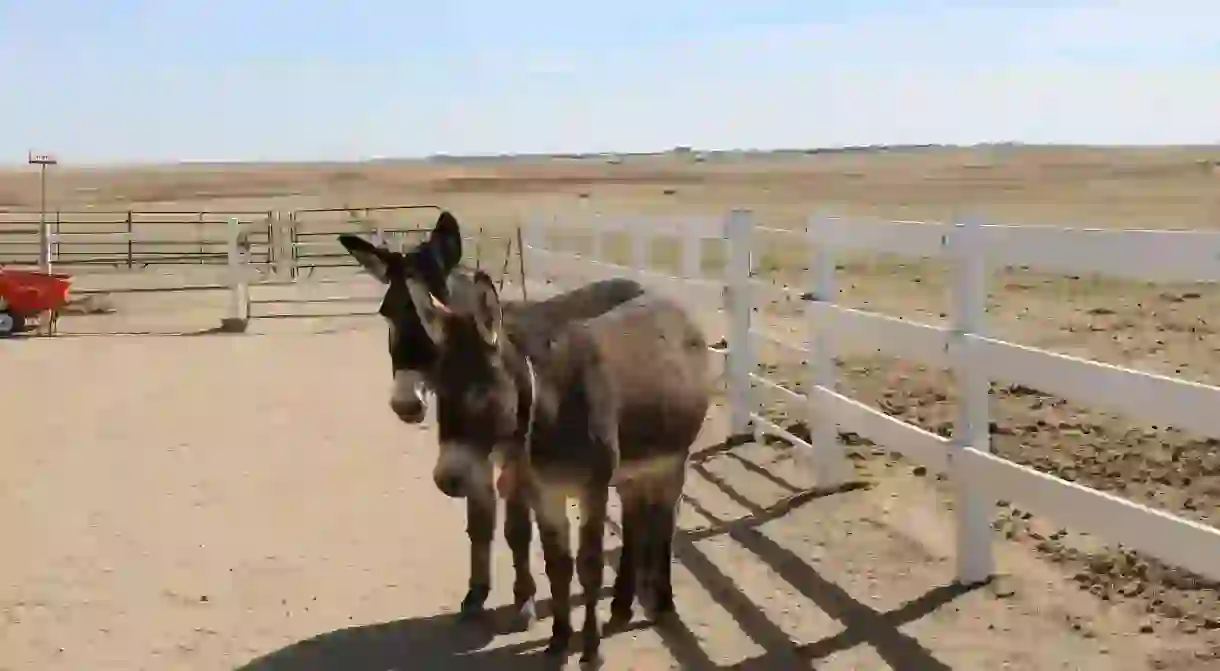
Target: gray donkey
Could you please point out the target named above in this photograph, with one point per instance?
(413, 356)
(570, 410)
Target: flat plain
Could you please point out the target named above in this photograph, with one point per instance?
(1101, 598)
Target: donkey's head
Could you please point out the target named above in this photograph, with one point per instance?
(479, 383)
(412, 352)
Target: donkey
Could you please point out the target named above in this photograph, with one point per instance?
(413, 356)
(570, 410)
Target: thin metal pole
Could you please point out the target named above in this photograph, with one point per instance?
(521, 262)
(508, 256)
(44, 233)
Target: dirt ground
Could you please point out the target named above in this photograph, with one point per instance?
(178, 510)
(850, 580)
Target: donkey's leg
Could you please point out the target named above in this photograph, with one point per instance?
(481, 530)
(661, 596)
(554, 532)
(519, 533)
(591, 563)
(629, 559)
(664, 523)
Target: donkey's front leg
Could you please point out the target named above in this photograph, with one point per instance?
(481, 530)
(519, 533)
(590, 564)
(551, 509)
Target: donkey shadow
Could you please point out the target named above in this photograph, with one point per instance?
(433, 642)
(444, 641)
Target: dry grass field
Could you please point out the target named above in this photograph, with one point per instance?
(1167, 329)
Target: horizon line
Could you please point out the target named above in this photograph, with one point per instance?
(671, 151)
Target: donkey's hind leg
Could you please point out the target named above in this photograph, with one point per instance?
(662, 520)
(550, 508)
(590, 565)
(633, 527)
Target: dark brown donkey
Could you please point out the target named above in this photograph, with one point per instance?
(572, 409)
(413, 356)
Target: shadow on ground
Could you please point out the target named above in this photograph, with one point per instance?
(435, 642)
(443, 641)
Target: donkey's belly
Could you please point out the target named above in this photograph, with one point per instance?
(571, 483)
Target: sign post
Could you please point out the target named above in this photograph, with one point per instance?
(44, 227)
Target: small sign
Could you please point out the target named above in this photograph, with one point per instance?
(42, 159)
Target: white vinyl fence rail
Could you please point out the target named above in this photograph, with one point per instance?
(978, 477)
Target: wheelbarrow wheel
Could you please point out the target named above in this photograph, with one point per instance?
(10, 323)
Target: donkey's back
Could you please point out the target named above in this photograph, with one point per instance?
(643, 369)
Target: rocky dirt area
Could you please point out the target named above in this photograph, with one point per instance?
(1164, 329)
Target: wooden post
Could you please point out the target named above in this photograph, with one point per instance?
(521, 262)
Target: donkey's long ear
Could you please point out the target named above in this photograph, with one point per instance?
(430, 310)
(377, 261)
(488, 314)
(446, 239)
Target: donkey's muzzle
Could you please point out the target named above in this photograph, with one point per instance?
(410, 410)
(407, 396)
(451, 485)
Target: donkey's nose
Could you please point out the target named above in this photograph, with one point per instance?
(409, 410)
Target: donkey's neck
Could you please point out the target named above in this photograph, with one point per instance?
(538, 381)
(525, 379)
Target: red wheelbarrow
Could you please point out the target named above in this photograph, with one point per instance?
(25, 294)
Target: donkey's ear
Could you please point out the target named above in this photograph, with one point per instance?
(430, 310)
(488, 314)
(446, 239)
(375, 260)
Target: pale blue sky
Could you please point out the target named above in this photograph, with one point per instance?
(155, 80)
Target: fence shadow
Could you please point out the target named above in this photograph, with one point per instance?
(862, 624)
(444, 641)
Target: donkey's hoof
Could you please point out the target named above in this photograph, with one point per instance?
(591, 659)
(522, 615)
(559, 643)
(473, 603)
(619, 619)
(660, 612)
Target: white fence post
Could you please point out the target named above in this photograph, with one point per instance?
(973, 507)
(738, 229)
(829, 455)
(691, 251)
(238, 272)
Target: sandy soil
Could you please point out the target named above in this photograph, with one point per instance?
(222, 502)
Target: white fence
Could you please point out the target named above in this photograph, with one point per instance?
(978, 477)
